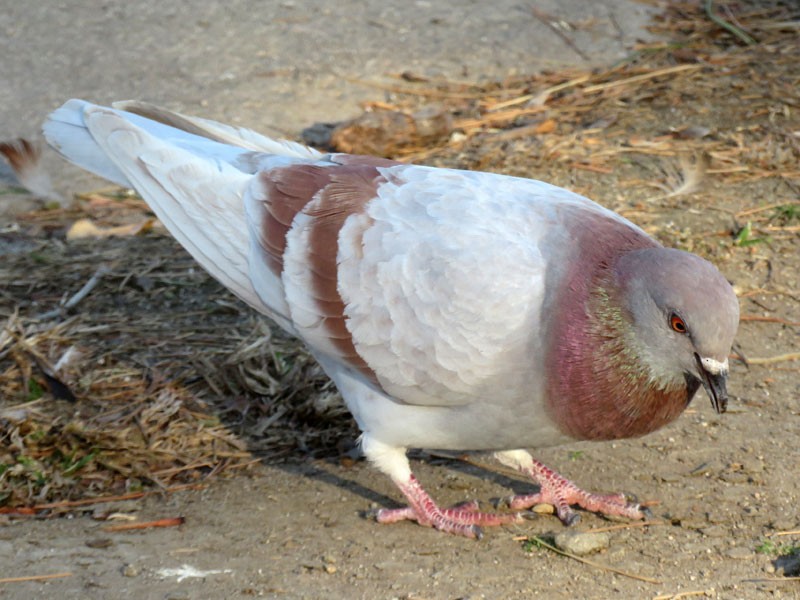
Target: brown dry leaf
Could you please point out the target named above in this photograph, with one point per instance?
(546, 126)
(690, 132)
(384, 132)
(86, 228)
(99, 200)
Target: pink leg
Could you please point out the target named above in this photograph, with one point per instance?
(561, 493)
(463, 519)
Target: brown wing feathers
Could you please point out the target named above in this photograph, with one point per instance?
(329, 195)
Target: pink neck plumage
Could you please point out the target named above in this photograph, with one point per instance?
(598, 387)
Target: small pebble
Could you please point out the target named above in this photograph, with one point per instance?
(130, 571)
(785, 524)
(790, 566)
(716, 516)
(582, 543)
(715, 531)
(544, 509)
(736, 477)
(695, 523)
(739, 553)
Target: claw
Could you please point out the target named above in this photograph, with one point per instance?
(562, 494)
(503, 502)
(463, 519)
(468, 506)
(630, 497)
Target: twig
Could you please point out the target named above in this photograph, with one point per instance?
(34, 577)
(777, 533)
(104, 191)
(684, 595)
(540, 542)
(24, 510)
(497, 118)
(751, 211)
(727, 26)
(637, 78)
(101, 271)
(170, 522)
(400, 89)
(771, 580)
(545, 19)
(592, 168)
(765, 292)
(784, 229)
(244, 465)
(774, 359)
(540, 98)
(763, 319)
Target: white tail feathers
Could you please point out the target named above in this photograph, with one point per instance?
(225, 134)
(188, 175)
(66, 133)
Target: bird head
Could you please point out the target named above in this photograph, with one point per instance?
(683, 315)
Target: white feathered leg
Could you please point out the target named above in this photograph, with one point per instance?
(463, 519)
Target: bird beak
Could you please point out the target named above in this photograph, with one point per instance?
(714, 376)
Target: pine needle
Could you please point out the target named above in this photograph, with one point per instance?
(680, 595)
(774, 359)
(736, 31)
(34, 578)
(540, 542)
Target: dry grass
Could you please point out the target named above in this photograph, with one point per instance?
(702, 93)
(150, 380)
(124, 367)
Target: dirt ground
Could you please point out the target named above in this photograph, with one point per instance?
(279, 508)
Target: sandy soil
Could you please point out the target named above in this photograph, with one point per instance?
(299, 528)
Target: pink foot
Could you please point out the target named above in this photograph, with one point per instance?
(463, 519)
(561, 493)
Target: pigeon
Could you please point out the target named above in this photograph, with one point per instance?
(454, 310)
(21, 164)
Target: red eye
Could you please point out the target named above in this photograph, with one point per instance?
(677, 323)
